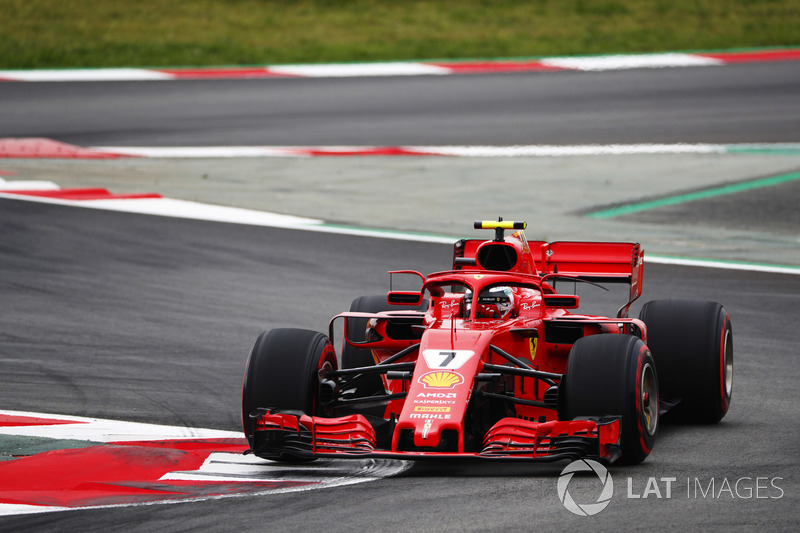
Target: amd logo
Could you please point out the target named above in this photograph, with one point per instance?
(436, 395)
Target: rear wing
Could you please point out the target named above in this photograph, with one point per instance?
(601, 262)
(598, 262)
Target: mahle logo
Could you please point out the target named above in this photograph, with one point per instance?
(605, 493)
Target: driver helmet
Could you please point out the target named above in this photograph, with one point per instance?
(496, 302)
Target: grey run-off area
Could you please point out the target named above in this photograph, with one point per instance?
(442, 195)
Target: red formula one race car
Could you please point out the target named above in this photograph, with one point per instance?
(489, 361)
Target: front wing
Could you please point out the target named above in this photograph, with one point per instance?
(296, 436)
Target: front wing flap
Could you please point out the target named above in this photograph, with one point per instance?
(512, 437)
(295, 436)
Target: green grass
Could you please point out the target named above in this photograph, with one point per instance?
(102, 33)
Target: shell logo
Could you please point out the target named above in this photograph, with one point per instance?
(441, 380)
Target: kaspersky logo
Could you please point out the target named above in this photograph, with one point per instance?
(604, 491)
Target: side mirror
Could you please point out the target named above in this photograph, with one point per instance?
(404, 298)
(561, 301)
(412, 298)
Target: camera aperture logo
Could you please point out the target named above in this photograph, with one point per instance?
(606, 491)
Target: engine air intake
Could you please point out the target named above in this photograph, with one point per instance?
(497, 256)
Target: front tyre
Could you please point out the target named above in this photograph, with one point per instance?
(282, 372)
(614, 375)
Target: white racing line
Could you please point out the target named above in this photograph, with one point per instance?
(99, 430)
(194, 152)
(324, 473)
(349, 70)
(596, 63)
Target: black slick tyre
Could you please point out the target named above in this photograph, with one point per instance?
(614, 375)
(692, 343)
(282, 373)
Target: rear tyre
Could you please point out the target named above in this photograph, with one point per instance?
(282, 372)
(692, 343)
(614, 375)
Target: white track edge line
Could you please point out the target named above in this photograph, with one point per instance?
(208, 212)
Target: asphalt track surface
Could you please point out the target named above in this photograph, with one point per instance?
(150, 319)
(729, 104)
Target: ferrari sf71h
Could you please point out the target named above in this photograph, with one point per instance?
(489, 361)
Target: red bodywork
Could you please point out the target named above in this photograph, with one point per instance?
(460, 385)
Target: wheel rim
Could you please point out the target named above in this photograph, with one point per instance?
(648, 399)
(728, 363)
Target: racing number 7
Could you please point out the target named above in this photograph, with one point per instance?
(449, 356)
(447, 359)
